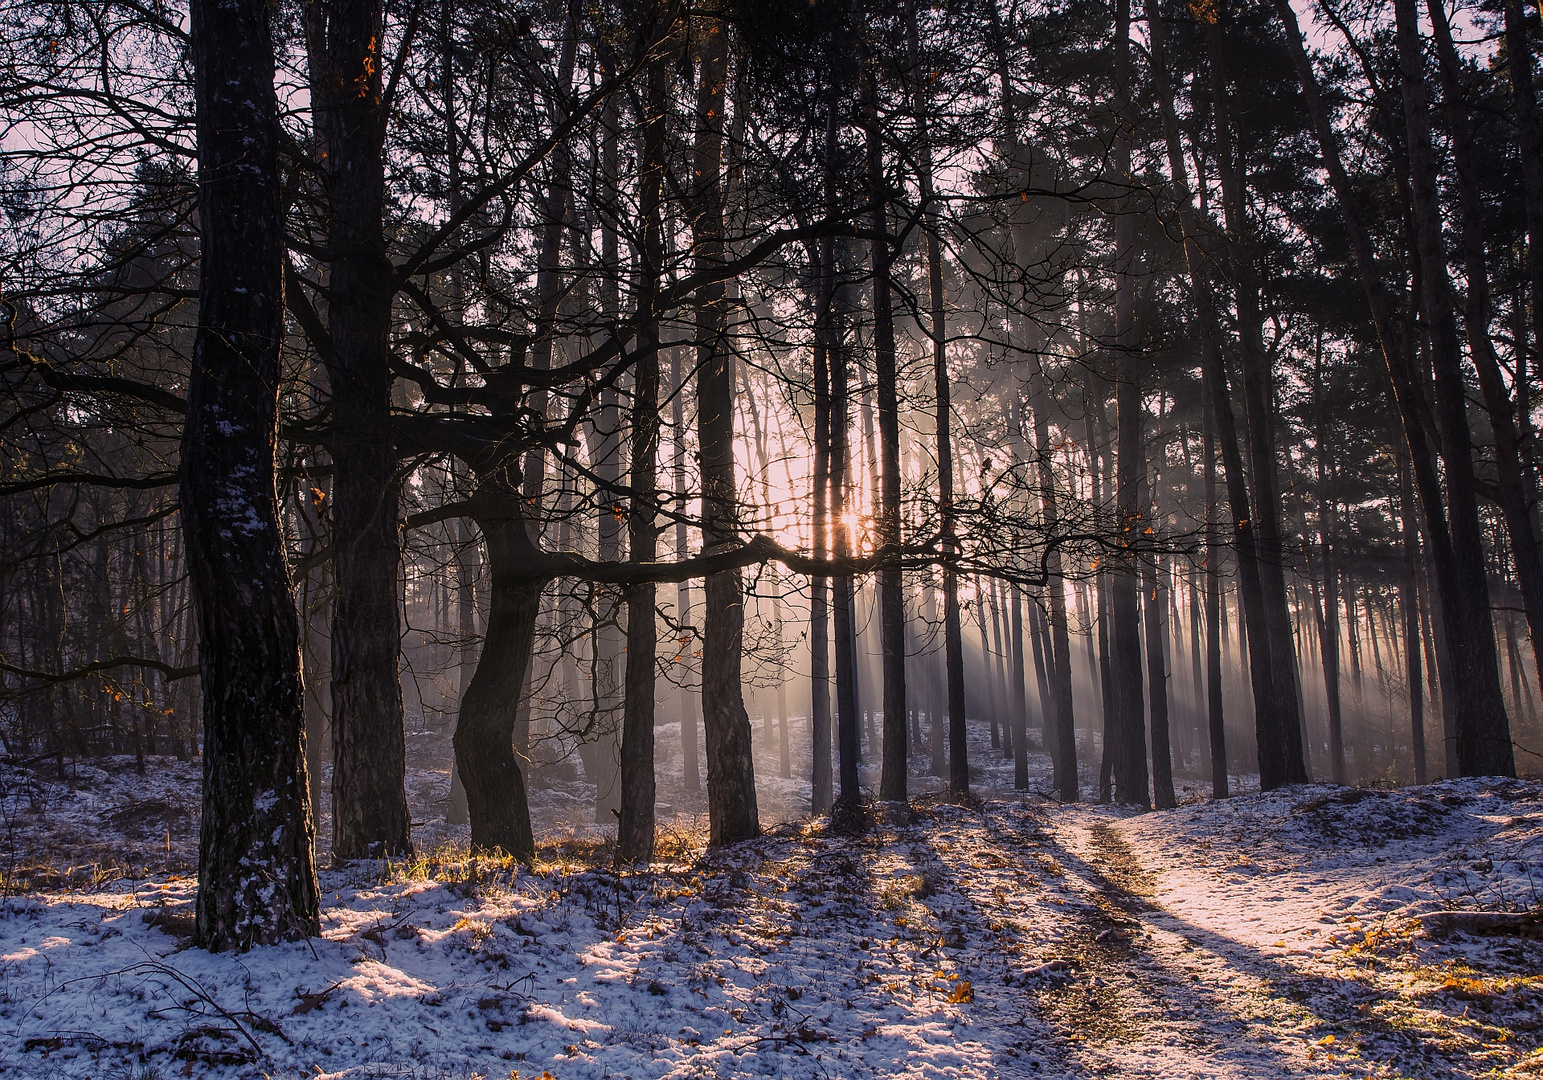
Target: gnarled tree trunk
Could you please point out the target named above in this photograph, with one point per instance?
(484, 733)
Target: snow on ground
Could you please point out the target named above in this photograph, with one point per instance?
(1262, 936)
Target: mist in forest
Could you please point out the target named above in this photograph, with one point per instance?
(481, 423)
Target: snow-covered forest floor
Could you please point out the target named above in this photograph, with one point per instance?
(1261, 936)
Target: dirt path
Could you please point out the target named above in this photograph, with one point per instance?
(1105, 982)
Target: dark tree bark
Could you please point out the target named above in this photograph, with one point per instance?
(953, 636)
(934, 683)
(1353, 641)
(1409, 600)
(466, 550)
(1328, 616)
(776, 736)
(315, 616)
(1060, 719)
(1060, 726)
(1216, 719)
(1039, 648)
(1283, 719)
(822, 780)
(1529, 138)
(1095, 429)
(1516, 480)
(784, 752)
(912, 659)
(822, 794)
(848, 734)
(993, 703)
(1012, 704)
(1484, 738)
(468, 562)
(731, 802)
(549, 293)
(369, 749)
(893, 784)
(635, 823)
(1279, 757)
(256, 880)
(484, 732)
(600, 748)
(691, 779)
(1019, 670)
(865, 411)
(1128, 744)
(1155, 603)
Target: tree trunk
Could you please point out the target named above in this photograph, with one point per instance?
(875, 484)
(1279, 754)
(1409, 597)
(1096, 429)
(1516, 481)
(315, 612)
(467, 564)
(1484, 737)
(731, 805)
(893, 786)
(455, 810)
(1020, 693)
(953, 638)
(848, 733)
(635, 822)
(691, 776)
(784, 754)
(600, 745)
(1328, 618)
(549, 293)
(484, 733)
(1011, 703)
(1128, 744)
(1039, 650)
(1284, 717)
(1197, 690)
(822, 785)
(1060, 729)
(369, 750)
(913, 659)
(256, 880)
(822, 794)
(1060, 719)
(1156, 605)
(1529, 132)
(1216, 719)
(993, 704)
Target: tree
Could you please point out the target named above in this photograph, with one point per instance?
(348, 101)
(730, 768)
(256, 882)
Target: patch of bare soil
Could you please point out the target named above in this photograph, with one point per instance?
(1106, 950)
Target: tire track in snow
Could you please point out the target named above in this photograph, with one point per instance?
(1133, 998)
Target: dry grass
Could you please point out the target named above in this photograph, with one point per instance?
(90, 875)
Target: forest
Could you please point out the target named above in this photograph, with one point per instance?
(969, 538)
